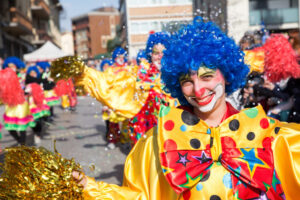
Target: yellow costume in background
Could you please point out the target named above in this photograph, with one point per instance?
(117, 90)
(65, 102)
(256, 60)
(167, 159)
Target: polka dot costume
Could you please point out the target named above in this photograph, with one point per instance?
(231, 161)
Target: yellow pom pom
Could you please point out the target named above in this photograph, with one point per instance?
(66, 67)
(31, 173)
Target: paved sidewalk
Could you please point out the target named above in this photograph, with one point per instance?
(80, 135)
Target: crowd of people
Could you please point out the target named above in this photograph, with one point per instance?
(188, 141)
(29, 95)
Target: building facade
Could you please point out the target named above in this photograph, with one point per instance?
(27, 24)
(67, 43)
(92, 31)
(141, 17)
(248, 15)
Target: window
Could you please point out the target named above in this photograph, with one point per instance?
(103, 43)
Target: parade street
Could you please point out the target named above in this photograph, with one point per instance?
(80, 135)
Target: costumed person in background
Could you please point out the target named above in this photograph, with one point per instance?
(141, 57)
(105, 64)
(18, 67)
(281, 66)
(37, 102)
(17, 116)
(276, 89)
(119, 58)
(66, 90)
(207, 149)
(48, 86)
(149, 76)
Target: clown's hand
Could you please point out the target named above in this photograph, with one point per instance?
(66, 67)
(80, 178)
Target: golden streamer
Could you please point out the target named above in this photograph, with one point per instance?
(66, 67)
(37, 173)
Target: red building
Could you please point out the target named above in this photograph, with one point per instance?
(91, 31)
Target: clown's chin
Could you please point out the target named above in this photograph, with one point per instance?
(157, 64)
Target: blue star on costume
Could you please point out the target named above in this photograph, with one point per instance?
(249, 156)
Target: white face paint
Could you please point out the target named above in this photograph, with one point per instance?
(217, 93)
(157, 64)
(120, 61)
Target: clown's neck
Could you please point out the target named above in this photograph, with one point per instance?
(214, 117)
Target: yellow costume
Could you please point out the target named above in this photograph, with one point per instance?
(151, 167)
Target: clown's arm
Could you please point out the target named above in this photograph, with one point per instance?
(118, 90)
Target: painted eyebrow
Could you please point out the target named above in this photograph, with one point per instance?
(207, 73)
(184, 78)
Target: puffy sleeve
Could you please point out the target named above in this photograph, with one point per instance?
(286, 149)
(143, 178)
(117, 90)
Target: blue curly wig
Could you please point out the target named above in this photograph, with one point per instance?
(156, 38)
(202, 44)
(119, 51)
(141, 54)
(33, 68)
(15, 61)
(44, 65)
(104, 62)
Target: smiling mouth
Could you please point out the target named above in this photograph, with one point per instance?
(204, 100)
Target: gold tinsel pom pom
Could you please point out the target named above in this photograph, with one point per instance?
(66, 67)
(37, 173)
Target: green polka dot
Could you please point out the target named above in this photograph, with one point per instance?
(164, 110)
(138, 136)
(252, 112)
(272, 121)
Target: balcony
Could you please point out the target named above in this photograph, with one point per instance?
(274, 16)
(41, 37)
(40, 9)
(18, 24)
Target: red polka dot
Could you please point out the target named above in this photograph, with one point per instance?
(170, 145)
(228, 142)
(169, 125)
(264, 123)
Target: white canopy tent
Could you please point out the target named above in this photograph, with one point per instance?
(47, 52)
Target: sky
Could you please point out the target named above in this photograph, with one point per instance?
(73, 8)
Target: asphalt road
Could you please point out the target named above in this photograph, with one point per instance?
(80, 135)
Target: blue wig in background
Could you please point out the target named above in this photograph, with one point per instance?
(104, 62)
(16, 61)
(44, 65)
(119, 51)
(156, 38)
(141, 54)
(202, 44)
(33, 68)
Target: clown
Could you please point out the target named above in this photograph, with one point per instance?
(51, 97)
(205, 149)
(17, 117)
(119, 57)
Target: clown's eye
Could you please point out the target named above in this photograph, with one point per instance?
(186, 83)
(207, 77)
